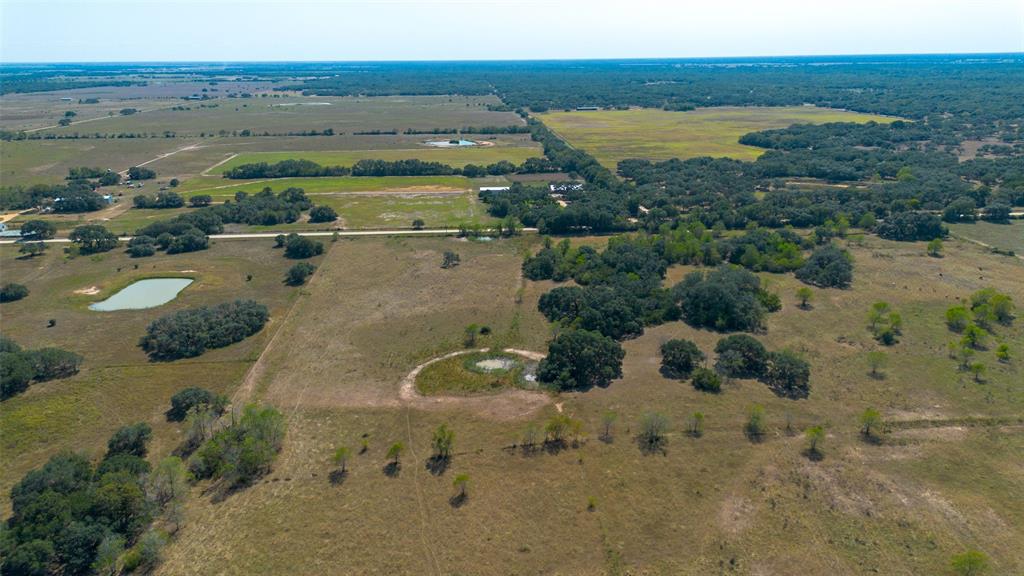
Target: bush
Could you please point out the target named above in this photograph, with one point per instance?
(15, 374)
(131, 440)
(194, 397)
(19, 367)
(724, 299)
(827, 267)
(11, 292)
(707, 380)
(741, 356)
(679, 358)
(788, 375)
(298, 247)
(52, 363)
(138, 172)
(189, 333)
(319, 214)
(579, 359)
(298, 273)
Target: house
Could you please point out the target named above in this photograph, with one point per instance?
(566, 187)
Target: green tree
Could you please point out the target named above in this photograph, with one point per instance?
(32, 249)
(168, 482)
(707, 380)
(340, 458)
(1003, 353)
(974, 337)
(755, 426)
(976, 369)
(870, 422)
(970, 563)
(958, 318)
(38, 230)
(804, 295)
(442, 441)
(815, 436)
(935, 248)
(395, 452)
(580, 359)
(12, 292)
(877, 360)
(418, 224)
(695, 426)
(788, 374)
(679, 358)
(877, 314)
(108, 556)
(298, 273)
(461, 485)
(93, 238)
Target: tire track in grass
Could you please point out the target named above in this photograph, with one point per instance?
(420, 506)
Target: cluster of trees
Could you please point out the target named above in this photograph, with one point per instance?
(189, 333)
(141, 173)
(975, 319)
(514, 129)
(194, 398)
(726, 299)
(73, 517)
(298, 247)
(285, 169)
(827, 267)
(161, 200)
(19, 368)
(885, 324)
(103, 177)
(244, 450)
(93, 238)
(297, 274)
(581, 359)
(75, 196)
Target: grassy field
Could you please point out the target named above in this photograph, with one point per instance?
(118, 384)
(458, 375)
(295, 113)
(1002, 236)
(947, 477)
(458, 157)
(221, 188)
(613, 135)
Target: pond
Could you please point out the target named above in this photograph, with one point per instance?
(451, 143)
(143, 294)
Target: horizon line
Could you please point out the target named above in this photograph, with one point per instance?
(498, 60)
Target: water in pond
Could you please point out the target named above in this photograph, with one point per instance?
(451, 143)
(143, 294)
(495, 364)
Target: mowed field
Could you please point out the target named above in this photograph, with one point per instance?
(1003, 236)
(458, 157)
(613, 135)
(118, 384)
(946, 477)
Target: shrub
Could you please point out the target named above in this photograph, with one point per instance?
(19, 367)
(827, 267)
(298, 247)
(319, 214)
(189, 333)
(11, 292)
(579, 359)
(138, 172)
(298, 273)
(15, 374)
(679, 358)
(741, 356)
(788, 375)
(706, 380)
(194, 397)
(200, 200)
(130, 440)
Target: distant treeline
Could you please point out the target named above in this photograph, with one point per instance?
(473, 130)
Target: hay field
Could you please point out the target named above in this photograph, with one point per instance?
(613, 135)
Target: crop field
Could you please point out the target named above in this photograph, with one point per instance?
(902, 506)
(293, 113)
(1002, 236)
(118, 384)
(613, 135)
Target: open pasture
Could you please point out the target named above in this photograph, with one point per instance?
(945, 478)
(1002, 236)
(118, 384)
(284, 113)
(458, 157)
(613, 135)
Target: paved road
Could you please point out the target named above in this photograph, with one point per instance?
(341, 233)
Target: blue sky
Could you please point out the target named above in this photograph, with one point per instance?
(169, 30)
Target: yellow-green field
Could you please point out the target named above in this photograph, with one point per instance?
(613, 135)
(221, 188)
(1002, 236)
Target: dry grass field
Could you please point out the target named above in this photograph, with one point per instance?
(946, 477)
(613, 135)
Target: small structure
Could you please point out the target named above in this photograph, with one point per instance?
(566, 187)
(495, 188)
(587, 108)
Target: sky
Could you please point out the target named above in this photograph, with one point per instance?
(267, 30)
